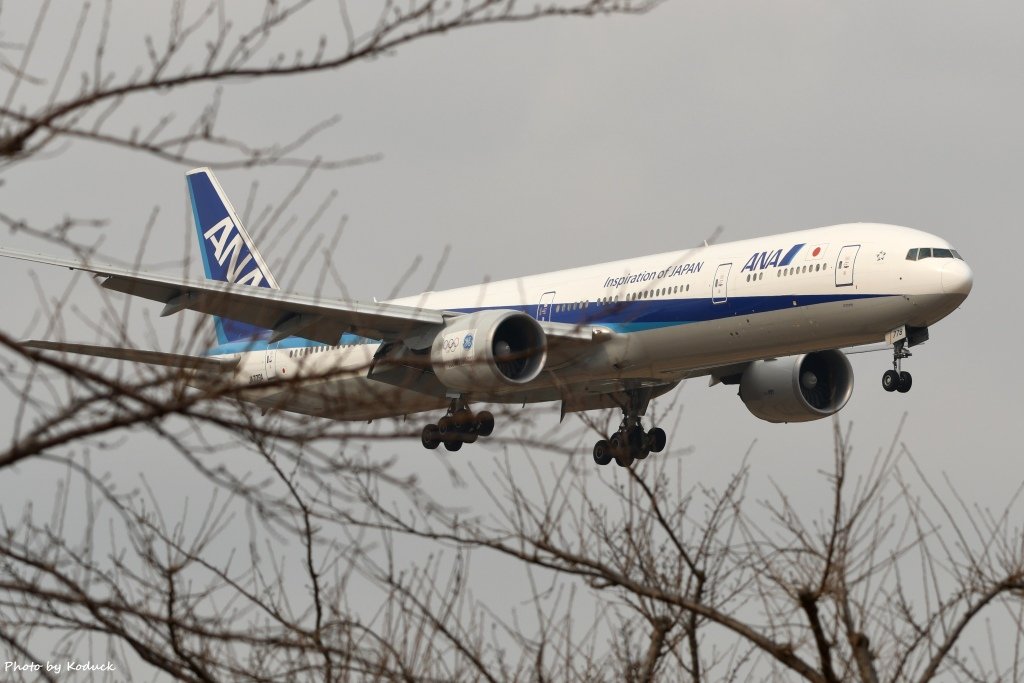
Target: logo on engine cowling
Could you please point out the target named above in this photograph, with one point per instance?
(467, 343)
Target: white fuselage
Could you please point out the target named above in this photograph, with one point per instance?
(672, 316)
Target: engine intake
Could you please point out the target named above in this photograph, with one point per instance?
(797, 388)
(489, 349)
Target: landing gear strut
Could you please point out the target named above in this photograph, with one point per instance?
(631, 442)
(898, 379)
(459, 425)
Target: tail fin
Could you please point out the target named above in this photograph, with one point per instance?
(229, 254)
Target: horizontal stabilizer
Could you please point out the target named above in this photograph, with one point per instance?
(171, 360)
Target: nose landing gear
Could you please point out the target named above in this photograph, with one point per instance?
(631, 443)
(898, 379)
(459, 425)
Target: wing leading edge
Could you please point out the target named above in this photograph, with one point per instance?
(285, 314)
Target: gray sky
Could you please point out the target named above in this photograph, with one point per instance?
(549, 145)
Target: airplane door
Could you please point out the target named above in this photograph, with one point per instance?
(844, 265)
(545, 305)
(720, 287)
(270, 363)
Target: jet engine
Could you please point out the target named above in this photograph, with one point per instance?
(797, 388)
(488, 350)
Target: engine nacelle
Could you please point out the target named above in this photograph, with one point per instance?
(489, 349)
(797, 388)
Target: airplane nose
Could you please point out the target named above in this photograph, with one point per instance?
(957, 278)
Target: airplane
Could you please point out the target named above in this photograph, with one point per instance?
(770, 315)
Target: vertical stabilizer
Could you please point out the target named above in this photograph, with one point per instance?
(229, 254)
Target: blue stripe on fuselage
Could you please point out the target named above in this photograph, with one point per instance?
(645, 314)
(621, 316)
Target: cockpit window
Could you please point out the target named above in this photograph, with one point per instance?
(928, 252)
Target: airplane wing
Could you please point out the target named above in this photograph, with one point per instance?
(171, 360)
(285, 314)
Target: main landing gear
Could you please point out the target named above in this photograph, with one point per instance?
(460, 425)
(631, 442)
(898, 379)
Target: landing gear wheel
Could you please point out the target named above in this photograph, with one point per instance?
(459, 426)
(446, 425)
(631, 442)
(658, 439)
(891, 380)
(484, 423)
(904, 383)
(430, 437)
(618, 445)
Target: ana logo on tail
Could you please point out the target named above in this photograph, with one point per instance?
(226, 241)
(229, 254)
